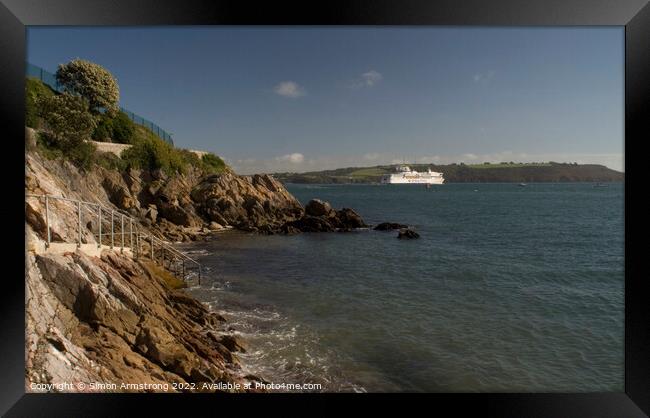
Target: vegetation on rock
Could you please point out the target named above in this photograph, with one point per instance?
(152, 153)
(35, 90)
(67, 124)
(213, 164)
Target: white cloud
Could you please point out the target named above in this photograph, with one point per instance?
(367, 79)
(371, 78)
(289, 89)
(295, 158)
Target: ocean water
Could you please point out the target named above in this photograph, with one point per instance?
(509, 289)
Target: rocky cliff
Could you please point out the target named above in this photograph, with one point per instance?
(114, 319)
(117, 320)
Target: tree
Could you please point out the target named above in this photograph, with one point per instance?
(68, 120)
(92, 82)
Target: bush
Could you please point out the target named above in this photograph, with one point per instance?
(82, 155)
(150, 152)
(92, 82)
(190, 158)
(34, 91)
(118, 129)
(47, 148)
(123, 129)
(110, 161)
(213, 164)
(104, 130)
(68, 121)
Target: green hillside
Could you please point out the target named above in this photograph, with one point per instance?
(462, 173)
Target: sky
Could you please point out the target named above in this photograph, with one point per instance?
(272, 99)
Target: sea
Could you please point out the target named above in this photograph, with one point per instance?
(509, 288)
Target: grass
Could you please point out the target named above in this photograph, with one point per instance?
(370, 171)
(508, 165)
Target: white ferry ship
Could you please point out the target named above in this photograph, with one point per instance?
(405, 175)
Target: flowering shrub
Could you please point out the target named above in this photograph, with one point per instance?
(92, 82)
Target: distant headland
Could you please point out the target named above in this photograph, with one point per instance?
(506, 172)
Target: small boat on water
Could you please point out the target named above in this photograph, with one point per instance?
(523, 184)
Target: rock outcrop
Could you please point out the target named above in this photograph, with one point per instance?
(246, 202)
(389, 226)
(115, 320)
(320, 217)
(180, 208)
(112, 319)
(407, 234)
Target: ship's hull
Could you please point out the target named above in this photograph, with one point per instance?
(412, 179)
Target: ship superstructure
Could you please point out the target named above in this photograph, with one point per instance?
(405, 175)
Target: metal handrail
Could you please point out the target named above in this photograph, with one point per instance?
(98, 209)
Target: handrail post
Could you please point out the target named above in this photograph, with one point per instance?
(122, 231)
(99, 217)
(131, 233)
(112, 229)
(79, 210)
(152, 247)
(47, 221)
(183, 269)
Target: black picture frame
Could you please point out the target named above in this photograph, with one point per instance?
(15, 15)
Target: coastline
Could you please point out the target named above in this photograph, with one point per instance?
(122, 319)
(101, 291)
(108, 317)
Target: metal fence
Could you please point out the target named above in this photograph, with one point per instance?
(50, 79)
(123, 233)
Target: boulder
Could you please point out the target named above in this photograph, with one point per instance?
(312, 224)
(317, 207)
(389, 226)
(407, 234)
(349, 219)
(214, 226)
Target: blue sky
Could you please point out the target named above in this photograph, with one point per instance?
(299, 99)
